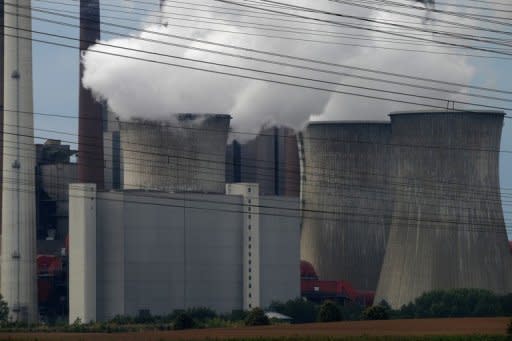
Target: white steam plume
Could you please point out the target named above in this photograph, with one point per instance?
(135, 88)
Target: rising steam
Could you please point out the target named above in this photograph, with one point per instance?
(142, 89)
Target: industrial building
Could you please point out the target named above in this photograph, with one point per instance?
(184, 153)
(171, 239)
(447, 227)
(345, 199)
(270, 159)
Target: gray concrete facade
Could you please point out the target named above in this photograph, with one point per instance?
(447, 229)
(185, 153)
(161, 252)
(346, 200)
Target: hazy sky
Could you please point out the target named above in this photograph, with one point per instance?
(157, 90)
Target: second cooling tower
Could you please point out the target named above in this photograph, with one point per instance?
(447, 229)
(183, 154)
(346, 199)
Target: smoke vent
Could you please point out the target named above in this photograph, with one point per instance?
(346, 199)
(447, 228)
(183, 154)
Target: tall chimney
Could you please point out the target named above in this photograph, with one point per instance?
(90, 121)
(18, 267)
(1, 105)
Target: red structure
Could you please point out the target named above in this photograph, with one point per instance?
(51, 285)
(315, 289)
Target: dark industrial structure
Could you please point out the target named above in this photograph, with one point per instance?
(271, 160)
(54, 173)
(90, 122)
(345, 198)
(447, 228)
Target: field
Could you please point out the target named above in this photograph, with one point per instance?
(403, 328)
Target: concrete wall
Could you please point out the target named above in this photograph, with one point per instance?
(346, 199)
(280, 249)
(447, 228)
(163, 252)
(82, 253)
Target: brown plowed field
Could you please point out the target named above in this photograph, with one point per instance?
(420, 327)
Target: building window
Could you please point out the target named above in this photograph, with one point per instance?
(249, 201)
(250, 262)
(249, 216)
(249, 227)
(249, 208)
(250, 285)
(250, 238)
(249, 254)
(250, 269)
(250, 278)
(250, 295)
(250, 306)
(249, 246)
(249, 189)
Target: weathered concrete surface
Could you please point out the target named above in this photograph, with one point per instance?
(183, 154)
(346, 199)
(447, 229)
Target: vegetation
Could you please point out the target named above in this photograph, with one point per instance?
(4, 311)
(300, 310)
(257, 317)
(377, 312)
(329, 312)
(183, 321)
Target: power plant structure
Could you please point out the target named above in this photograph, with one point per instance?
(177, 236)
(183, 154)
(345, 199)
(270, 159)
(447, 226)
(90, 117)
(18, 266)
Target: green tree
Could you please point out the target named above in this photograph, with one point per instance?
(256, 317)
(183, 321)
(4, 310)
(329, 312)
(377, 312)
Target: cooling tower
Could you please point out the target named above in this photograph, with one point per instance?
(183, 154)
(346, 199)
(18, 280)
(90, 119)
(447, 228)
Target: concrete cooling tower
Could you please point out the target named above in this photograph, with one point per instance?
(447, 228)
(183, 154)
(346, 199)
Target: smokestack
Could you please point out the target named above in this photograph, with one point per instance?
(90, 125)
(1, 106)
(18, 267)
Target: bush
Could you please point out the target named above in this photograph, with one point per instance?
(329, 312)
(4, 310)
(122, 319)
(299, 310)
(377, 312)
(351, 311)
(201, 313)
(256, 317)
(183, 321)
